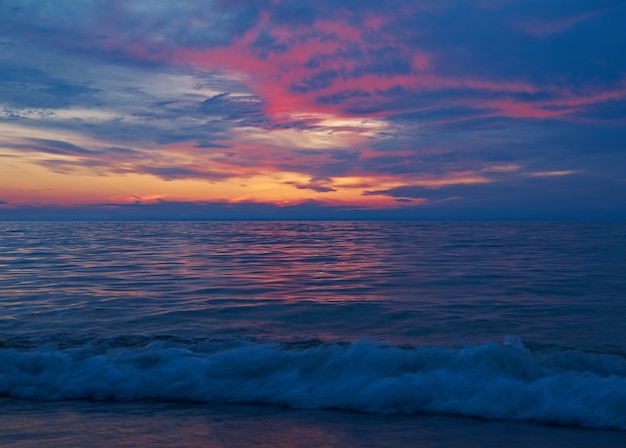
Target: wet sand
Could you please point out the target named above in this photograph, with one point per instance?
(27, 424)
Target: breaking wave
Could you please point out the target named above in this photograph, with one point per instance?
(491, 381)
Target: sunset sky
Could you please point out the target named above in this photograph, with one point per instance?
(312, 109)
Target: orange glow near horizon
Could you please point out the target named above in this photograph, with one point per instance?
(36, 185)
(255, 169)
(25, 179)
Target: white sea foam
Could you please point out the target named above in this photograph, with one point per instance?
(492, 381)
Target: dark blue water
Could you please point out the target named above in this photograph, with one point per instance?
(498, 321)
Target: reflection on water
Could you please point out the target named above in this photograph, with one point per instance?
(405, 281)
(79, 424)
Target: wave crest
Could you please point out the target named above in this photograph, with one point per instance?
(492, 381)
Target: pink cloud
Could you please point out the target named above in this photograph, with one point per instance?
(325, 60)
(568, 103)
(544, 28)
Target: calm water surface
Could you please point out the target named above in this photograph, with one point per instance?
(549, 284)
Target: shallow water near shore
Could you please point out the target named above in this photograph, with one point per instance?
(28, 424)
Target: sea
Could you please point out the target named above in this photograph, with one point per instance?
(312, 334)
